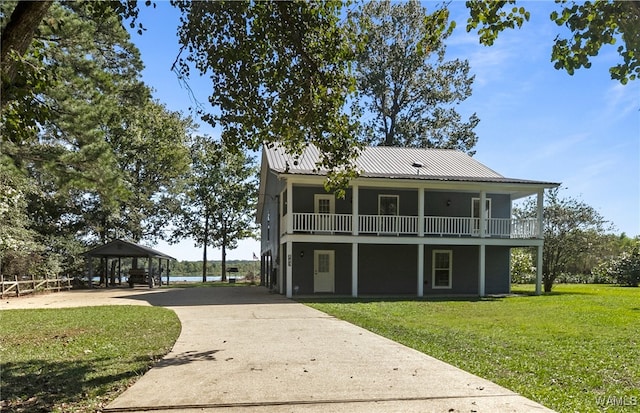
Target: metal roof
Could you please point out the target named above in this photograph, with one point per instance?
(122, 248)
(396, 163)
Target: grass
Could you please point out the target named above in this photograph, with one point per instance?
(78, 359)
(576, 349)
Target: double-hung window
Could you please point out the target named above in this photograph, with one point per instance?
(442, 265)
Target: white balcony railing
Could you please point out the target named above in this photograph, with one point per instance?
(409, 225)
(451, 226)
(388, 224)
(333, 223)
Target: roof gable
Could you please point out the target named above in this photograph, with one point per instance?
(122, 248)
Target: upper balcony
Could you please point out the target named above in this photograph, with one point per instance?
(398, 225)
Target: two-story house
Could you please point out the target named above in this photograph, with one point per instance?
(416, 221)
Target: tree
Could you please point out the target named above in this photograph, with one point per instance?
(570, 231)
(592, 24)
(404, 81)
(103, 153)
(279, 71)
(218, 200)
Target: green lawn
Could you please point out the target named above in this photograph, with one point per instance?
(78, 359)
(566, 350)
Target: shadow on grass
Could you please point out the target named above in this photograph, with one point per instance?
(39, 386)
(324, 299)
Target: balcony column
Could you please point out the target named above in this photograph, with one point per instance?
(481, 270)
(421, 212)
(539, 270)
(354, 269)
(289, 207)
(483, 214)
(355, 207)
(540, 214)
(420, 270)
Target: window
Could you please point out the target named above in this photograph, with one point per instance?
(388, 204)
(442, 269)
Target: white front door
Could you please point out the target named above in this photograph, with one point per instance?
(323, 271)
(324, 209)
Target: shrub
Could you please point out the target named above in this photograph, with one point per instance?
(625, 268)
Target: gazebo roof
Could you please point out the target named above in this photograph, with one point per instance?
(122, 248)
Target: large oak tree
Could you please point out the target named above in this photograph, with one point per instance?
(404, 82)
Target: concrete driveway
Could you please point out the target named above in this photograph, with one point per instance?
(246, 350)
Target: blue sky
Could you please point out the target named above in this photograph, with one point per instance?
(535, 122)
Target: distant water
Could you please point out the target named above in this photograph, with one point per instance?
(181, 278)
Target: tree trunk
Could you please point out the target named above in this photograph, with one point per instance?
(17, 37)
(224, 260)
(204, 252)
(548, 283)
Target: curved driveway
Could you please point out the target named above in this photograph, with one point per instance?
(246, 350)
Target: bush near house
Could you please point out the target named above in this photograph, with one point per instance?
(624, 269)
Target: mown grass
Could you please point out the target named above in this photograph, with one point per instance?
(570, 350)
(78, 359)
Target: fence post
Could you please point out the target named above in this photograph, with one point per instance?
(17, 286)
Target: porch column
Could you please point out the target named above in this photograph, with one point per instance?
(420, 213)
(289, 270)
(481, 270)
(354, 269)
(420, 269)
(355, 207)
(539, 270)
(540, 214)
(289, 208)
(483, 213)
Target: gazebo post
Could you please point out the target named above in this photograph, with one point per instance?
(168, 269)
(90, 271)
(150, 276)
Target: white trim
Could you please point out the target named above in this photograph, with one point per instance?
(420, 270)
(433, 269)
(332, 269)
(482, 270)
(395, 240)
(332, 202)
(539, 255)
(354, 269)
(519, 190)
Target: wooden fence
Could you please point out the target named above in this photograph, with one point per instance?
(22, 287)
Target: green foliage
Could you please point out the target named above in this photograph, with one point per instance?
(625, 268)
(572, 230)
(96, 152)
(564, 350)
(79, 359)
(523, 270)
(404, 81)
(218, 199)
(593, 25)
(280, 72)
(492, 19)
